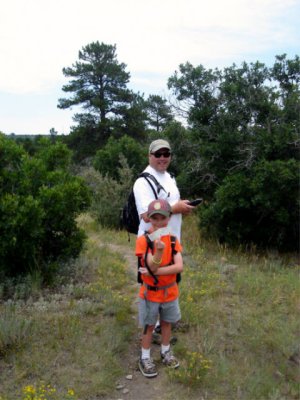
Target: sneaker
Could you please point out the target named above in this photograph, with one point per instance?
(147, 367)
(169, 359)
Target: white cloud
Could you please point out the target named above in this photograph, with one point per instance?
(40, 37)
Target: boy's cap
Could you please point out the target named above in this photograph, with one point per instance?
(159, 144)
(159, 206)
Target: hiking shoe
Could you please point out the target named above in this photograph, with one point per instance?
(169, 359)
(147, 367)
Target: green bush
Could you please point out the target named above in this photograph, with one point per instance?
(107, 159)
(39, 202)
(109, 195)
(260, 207)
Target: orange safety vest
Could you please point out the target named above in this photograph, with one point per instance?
(166, 289)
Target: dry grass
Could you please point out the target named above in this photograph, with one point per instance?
(69, 344)
(243, 312)
(240, 309)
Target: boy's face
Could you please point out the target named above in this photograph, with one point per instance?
(159, 221)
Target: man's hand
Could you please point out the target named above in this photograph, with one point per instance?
(182, 207)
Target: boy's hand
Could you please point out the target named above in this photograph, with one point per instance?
(159, 245)
(143, 271)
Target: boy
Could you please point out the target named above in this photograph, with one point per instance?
(159, 293)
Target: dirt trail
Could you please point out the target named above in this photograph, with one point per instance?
(139, 387)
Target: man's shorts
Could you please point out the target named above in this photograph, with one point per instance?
(149, 311)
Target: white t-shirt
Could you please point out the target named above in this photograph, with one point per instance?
(144, 195)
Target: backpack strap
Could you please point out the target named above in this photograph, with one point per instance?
(148, 176)
(153, 190)
(149, 246)
(173, 243)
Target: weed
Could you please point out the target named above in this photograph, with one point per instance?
(14, 330)
(46, 392)
(72, 344)
(192, 371)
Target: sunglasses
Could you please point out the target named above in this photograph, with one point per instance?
(158, 154)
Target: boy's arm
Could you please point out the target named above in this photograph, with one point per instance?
(154, 261)
(175, 268)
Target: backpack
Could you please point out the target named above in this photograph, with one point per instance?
(150, 246)
(130, 219)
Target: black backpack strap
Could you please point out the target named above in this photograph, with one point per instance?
(139, 265)
(153, 190)
(173, 243)
(148, 176)
(149, 246)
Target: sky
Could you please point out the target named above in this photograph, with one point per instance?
(38, 38)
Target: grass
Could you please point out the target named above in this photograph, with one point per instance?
(243, 312)
(64, 337)
(241, 325)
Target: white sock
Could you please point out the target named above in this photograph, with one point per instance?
(164, 349)
(145, 353)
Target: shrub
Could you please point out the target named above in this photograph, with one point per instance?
(107, 159)
(108, 194)
(39, 202)
(260, 207)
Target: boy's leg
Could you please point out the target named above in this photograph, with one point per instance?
(146, 365)
(166, 353)
(169, 312)
(147, 337)
(147, 315)
(166, 328)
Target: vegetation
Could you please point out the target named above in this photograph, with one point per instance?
(239, 149)
(108, 159)
(108, 194)
(39, 202)
(159, 112)
(237, 337)
(240, 137)
(72, 325)
(99, 85)
(243, 146)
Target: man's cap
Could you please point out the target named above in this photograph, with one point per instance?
(159, 206)
(159, 144)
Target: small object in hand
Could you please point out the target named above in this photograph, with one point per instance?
(195, 202)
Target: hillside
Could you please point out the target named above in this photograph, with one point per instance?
(238, 338)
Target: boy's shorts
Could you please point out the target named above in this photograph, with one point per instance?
(149, 311)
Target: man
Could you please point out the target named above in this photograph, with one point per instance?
(159, 161)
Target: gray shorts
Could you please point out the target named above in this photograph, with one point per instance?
(149, 312)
